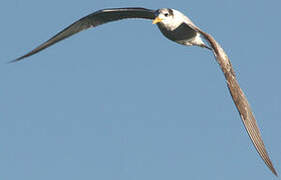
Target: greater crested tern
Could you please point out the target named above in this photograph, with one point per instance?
(178, 28)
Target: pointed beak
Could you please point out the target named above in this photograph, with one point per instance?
(157, 20)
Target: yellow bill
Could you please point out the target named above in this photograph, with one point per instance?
(157, 20)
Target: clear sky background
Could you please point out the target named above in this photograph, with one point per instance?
(121, 102)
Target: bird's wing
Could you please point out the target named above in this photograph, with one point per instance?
(239, 99)
(92, 20)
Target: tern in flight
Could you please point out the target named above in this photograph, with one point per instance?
(180, 29)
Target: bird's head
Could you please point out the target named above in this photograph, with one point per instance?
(170, 18)
(164, 16)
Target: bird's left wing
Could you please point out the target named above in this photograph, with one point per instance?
(92, 20)
(239, 98)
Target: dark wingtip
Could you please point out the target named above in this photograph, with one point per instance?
(13, 61)
(20, 58)
(274, 171)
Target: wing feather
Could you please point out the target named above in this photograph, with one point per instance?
(239, 99)
(92, 20)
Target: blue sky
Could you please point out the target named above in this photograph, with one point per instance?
(122, 102)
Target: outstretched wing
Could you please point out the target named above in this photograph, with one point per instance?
(239, 99)
(95, 19)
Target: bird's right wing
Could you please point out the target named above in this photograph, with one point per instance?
(239, 99)
(95, 19)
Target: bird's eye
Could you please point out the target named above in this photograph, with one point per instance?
(166, 14)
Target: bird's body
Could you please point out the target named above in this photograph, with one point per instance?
(181, 34)
(180, 29)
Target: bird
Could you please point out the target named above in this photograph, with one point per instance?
(172, 26)
(178, 28)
